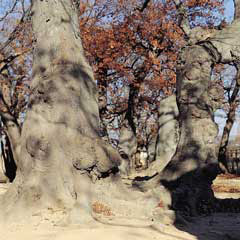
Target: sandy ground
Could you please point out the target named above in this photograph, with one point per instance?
(218, 226)
(215, 227)
(97, 232)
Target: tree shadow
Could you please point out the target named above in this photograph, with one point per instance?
(214, 218)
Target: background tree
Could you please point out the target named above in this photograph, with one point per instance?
(231, 107)
(15, 69)
(133, 50)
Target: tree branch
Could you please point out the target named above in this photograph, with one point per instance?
(5, 62)
(145, 4)
(7, 117)
(183, 21)
(9, 11)
(237, 9)
(13, 34)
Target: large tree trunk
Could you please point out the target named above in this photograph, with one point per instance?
(60, 143)
(59, 139)
(60, 146)
(190, 170)
(196, 147)
(189, 174)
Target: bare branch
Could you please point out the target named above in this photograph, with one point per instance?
(23, 6)
(237, 9)
(145, 4)
(183, 21)
(9, 11)
(5, 62)
(7, 117)
(13, 34)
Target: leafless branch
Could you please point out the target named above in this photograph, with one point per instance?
(9, 11)
(237, 9)
(4, 62)
(7, 116)
(145, 4)
(16, 29)
(23, 6)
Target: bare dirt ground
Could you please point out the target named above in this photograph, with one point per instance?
(219, 225)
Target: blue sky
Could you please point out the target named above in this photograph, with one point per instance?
(229, 10)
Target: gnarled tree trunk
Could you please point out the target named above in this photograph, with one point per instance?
(190, 170)
(189, 174)
(197, 128)
(59, 139)
(60, 147)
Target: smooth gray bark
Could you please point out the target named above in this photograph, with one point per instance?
(195, 164)
(127, 148)
(168, 133)
(59, 139)
(197, 128)
(61, 154)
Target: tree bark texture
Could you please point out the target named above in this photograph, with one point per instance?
(59, 141)
(194, 166)
(190, 173)
(196, 148)
(59, 138)
(237, 10)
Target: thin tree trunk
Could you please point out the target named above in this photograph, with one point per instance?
(222, 155)
(237, 10)
(13, 132)
(8, 164)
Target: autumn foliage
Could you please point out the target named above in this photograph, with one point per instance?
(15, 60)
(132, 46)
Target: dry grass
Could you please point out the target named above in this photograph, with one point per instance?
(228, 176)
(227, 189)
(226, 183)
(160, 204)
(102, 209)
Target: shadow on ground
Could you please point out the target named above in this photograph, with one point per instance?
(218, 219)
(197, 209)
